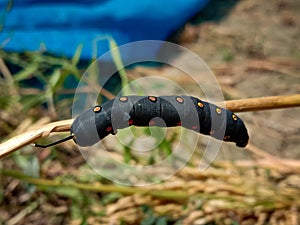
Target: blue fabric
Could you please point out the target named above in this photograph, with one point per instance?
(62, 25)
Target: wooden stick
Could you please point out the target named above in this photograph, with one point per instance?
(243, 105)
(264, 103)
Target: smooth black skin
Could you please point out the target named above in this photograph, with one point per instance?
(90, 127)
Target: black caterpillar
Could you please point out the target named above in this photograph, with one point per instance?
(164, 111)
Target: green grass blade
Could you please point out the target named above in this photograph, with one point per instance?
(77, 54)
(26, 73)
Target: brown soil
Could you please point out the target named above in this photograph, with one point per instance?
(258, 44)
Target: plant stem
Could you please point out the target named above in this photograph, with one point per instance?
(263, 103)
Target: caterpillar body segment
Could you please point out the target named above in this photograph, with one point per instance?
(164, 111)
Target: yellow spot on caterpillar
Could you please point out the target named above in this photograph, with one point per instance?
(200, 104)
(97, 109)
(179, 99)
(123, 99)
(218, 110)
(234, 117)
(152, 98)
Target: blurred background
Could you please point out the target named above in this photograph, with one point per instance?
(251, 46)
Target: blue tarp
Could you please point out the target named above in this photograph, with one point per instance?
(61, 25)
